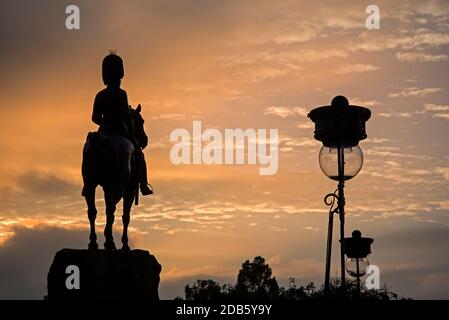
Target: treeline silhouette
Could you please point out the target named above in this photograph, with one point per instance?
(256, 282)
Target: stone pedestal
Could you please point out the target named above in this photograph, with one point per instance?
(103, 275)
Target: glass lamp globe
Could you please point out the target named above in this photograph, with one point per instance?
(353, 161)
(351, 266)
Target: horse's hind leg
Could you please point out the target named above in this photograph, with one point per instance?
(127, 204)
(89, 195)
(110, 210)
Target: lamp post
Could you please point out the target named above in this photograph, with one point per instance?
(357, 248)
(340, 127)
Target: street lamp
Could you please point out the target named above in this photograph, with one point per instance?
(357, 248)
(339, 127)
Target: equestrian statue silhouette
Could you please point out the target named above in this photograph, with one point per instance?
(113, 156)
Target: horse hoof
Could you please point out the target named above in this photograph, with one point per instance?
(125, 247)
(93, 246)
(109, 245)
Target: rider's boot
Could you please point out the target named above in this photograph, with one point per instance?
(145, 187)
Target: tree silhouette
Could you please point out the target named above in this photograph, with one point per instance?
(204, 290)
(255, 282)
(298, 293)
(310, 292)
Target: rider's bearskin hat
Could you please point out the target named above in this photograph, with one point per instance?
(112, 68)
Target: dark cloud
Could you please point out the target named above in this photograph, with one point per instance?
(416, 261)
(42, 183)
(26, 259)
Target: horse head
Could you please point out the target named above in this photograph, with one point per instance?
(139, 130)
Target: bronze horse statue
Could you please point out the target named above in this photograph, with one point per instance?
(108, 161)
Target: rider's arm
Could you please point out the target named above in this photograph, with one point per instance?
(97, 114)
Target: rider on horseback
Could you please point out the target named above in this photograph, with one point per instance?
(112, 113)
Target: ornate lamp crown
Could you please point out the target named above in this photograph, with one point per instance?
(357, 246)
(340, 124)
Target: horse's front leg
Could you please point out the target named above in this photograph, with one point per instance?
(111, 203)
(89, 195)
(127, 204)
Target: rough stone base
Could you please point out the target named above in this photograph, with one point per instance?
(104, 275)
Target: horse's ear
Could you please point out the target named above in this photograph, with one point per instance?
(139, 108)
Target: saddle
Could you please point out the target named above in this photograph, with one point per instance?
(102, 141)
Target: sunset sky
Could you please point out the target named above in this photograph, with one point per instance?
(231, 64)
